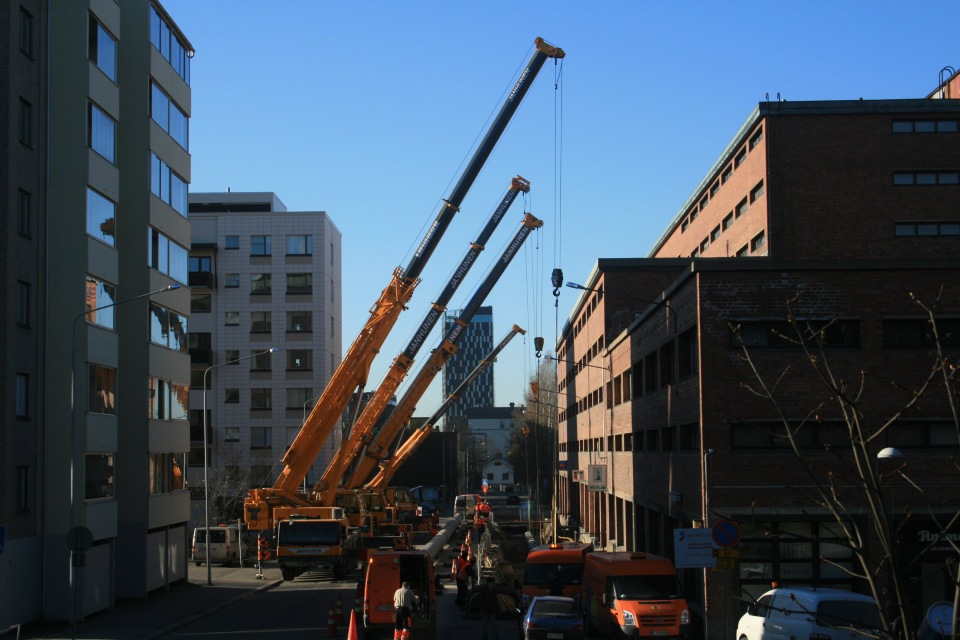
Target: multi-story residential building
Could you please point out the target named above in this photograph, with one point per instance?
(96, 445)
(473, 347)
(261, 278)
(847, 212)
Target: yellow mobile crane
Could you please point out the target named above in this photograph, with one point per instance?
(265, 507)
(390, 466)
(378, 449)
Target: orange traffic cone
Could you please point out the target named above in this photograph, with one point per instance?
(338, 618)
(331, 623)
(352, 631)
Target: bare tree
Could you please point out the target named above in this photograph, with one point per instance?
(847, 477)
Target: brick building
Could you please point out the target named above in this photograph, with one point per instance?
(844, 208)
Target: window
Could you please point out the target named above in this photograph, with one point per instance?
(231, 356)
(201, 302)
(103, 49)
(167, 472)
(261, 438)
(23, 396)
(331, 254)
(300, 245)
(201, 352)
(260, 284)
(231, 281)
(742, 251)
(168, 328)
(715, 233)
(742, 207)
(908, 332)
(101, 220)
(727, 221)
(756, 192)
(170, 45)
(199, 271)
(168, 186)
(98, 471)
(299, 283)
(741, 156)
(168, 400)
(333, 331)
(758, 242)
(102, 390)
(98, 295)
(231, 242)
(260, 361)
(26, 123)
(261, 245)
(727, 172)
(905, 229)
(101, 132)
(298, 398)
(24, 213)
(23, 304)
(781, 334)
(167, 257)
(667, 365)
(260, 322)
(926, 178)
(23, 489)
(260, 398)
(26, 33)
(231, 318)
(925, 126)
(756, 138)
(231, 434)
(231, 396)
(168, 115)
(299, 321)
(687, 353)
(299, 360)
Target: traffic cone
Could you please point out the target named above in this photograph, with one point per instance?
(352, 630)
(331, 624)
(338, 618)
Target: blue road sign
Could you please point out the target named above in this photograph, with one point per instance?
(726, 533)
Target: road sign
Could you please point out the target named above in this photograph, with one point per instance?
(693, 549)
(726, 533)
(484, 483)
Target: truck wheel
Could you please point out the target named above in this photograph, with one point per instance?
(288, 574)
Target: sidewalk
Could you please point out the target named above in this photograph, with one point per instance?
(164, 610)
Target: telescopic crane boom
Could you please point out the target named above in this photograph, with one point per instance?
(403, 453)
(354, 369)
(361, 432)
(378, 449)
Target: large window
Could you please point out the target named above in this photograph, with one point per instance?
(261, 245)
(170, 46)
(299, 283)
(168, 115)
(298, 398)
(260, 322)
(260, 361)
(260, 399)
(103, 49)
(101, 218)
(168, 186)
(299, 360)
(918, 332)
(300, 245)
(102, 390)
(168, 328)
(168, 257)
(99, 294)
(101, 132)
(167, 472)
(299, 321)
(98, 471)
(168, 400)
(261, 438)
(260, 284)
(757, 334)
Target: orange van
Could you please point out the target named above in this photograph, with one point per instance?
(559, 565)
(384, 572)
(636, 594)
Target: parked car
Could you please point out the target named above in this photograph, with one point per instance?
(513, 499)
(552, 617)
(788, 612)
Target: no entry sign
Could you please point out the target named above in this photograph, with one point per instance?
(726, 533)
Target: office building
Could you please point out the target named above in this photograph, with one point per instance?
(474, 345)
(96, 444)
(261, 278)
(840, 215)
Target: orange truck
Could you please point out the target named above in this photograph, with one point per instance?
(558, 565)
(633, 595)
(384, 572)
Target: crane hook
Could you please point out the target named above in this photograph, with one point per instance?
(556, 279)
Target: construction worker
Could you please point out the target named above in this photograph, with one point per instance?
(404, 599)
(460, 571)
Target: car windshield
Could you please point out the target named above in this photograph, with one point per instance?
(217, 536)
(540, 574)
(844, 613)
(653, 587)
(307, 532)
(554, 609)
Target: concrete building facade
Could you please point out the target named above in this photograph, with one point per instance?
(831, 213)
(261, 277)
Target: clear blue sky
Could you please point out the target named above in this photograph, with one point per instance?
(366, 110)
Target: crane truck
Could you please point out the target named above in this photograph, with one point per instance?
(352, 373)
(378, 449)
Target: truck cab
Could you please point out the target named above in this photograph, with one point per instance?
(558, 565)
(305, 542)
(385, 571)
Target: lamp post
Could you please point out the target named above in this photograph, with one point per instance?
(73, 428)
(206, 486)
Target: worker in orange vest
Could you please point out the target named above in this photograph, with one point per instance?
(460, 571)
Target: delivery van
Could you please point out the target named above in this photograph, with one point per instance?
(554, 569)
(226, 546)
(465, 504)
(636, 595)
(384, 572)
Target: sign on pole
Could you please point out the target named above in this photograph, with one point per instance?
(726, 533)
(693, 549)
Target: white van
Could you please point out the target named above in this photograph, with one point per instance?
(789, 612)
(465, 504)
(226, 545)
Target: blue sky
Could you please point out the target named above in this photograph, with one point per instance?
(366, 110)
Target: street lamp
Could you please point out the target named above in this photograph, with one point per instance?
(73, 425)
(206, 487)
